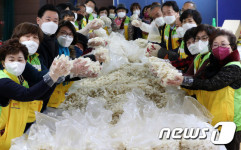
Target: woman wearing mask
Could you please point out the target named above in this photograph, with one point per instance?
(189, 49)
(68, 15)
(90, 7)
(112, 14)
(146, 19)
(189, 19)
(15, 94)
(121, 23)
(134, 32)
(103, 11)
(66, 36)
(31, 35)
(202, 35)
(218, 86)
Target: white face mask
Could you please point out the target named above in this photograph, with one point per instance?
(193, 49)
(138, 12)
(159, 21)
(121, 14)
(65, 41)
(75, 16)
(103, 15)
(49, 28)
(180, 32)
(32, 46)
(94, 15)
(15, 68)
(170, 19)
(89, 10)
(202, 46)
(112, 16)
(187, 26)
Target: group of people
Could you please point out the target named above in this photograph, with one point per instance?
(31, 79)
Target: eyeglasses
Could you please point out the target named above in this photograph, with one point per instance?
(65, 34)
(203, 38)
(222, 45)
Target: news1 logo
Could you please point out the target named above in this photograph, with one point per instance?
(226, 134)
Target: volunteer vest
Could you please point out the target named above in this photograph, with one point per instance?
(223, 104)
(181, 52)
(58, 96)
(199, 60)
(126, 24)
(14, 117)
(34, 105)
(174, 37)
(84, 20)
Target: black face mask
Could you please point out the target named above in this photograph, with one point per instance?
(80, 17)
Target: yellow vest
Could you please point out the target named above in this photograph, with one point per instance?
(14, 117)
(223, 104)
(58, 95)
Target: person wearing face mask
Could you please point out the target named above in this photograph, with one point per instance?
(202, 35)
(66, 35)
(189, 19)
(134, 32)
(80, 47)
(170, 12)
(68, 15)
(15, 93)
(121, 22)
(218, 86)
(146, 19)
(103, 11)
(90, 6)
(31, 35)
(70, 7)
(48, 19)
(112, 14)
(189, 49)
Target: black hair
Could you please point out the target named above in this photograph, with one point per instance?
(190, 33)
(96, 9)
(82, 39)
(192, 13)
(103, 8)
(195, 7)
(63, 6)
(205, 27)
(134, 4)
(87, 1)
(66, 13)
(173, 4)
(47, 7)
(112, 7)
(68, 24)
(146, 7)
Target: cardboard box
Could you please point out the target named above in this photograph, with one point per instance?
(233, 26)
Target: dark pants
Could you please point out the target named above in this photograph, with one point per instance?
(235, 143)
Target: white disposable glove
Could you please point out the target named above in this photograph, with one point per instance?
(152, 50)
(82, 68)
(59, 69)
(136, 23)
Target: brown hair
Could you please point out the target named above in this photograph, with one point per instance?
(133, 5)
(221, 32)
(12, 46)
(26, 28)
